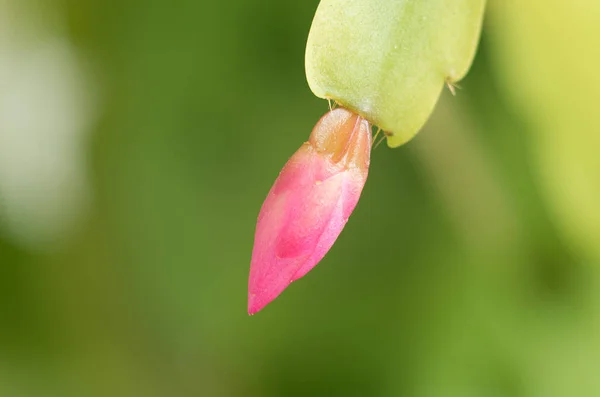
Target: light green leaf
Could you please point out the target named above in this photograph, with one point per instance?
(547, 58)
(389, 59)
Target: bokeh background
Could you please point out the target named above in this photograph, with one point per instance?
(138, 140)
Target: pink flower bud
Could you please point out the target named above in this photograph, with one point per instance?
(309, 204)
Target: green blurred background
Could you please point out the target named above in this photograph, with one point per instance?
(138, 140)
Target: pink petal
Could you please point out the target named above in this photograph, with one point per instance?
(309, 205)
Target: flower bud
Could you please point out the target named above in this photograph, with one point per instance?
(309, 204)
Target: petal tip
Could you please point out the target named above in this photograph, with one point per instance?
(254, 305)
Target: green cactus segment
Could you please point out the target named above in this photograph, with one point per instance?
(389, 59)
